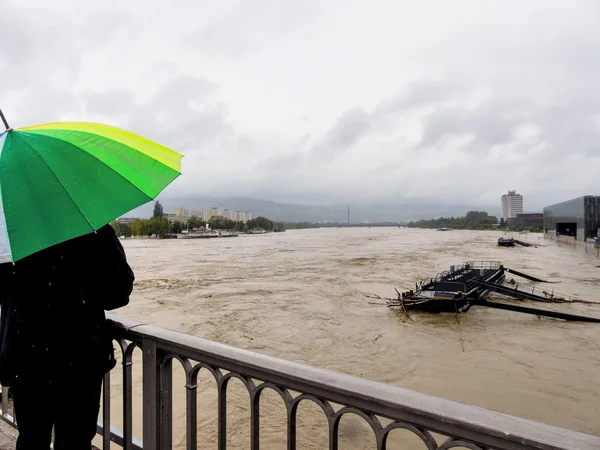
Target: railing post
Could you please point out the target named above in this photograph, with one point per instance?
(191, 413)
(151, 395)
(127, 396)
(166, 405)
(157, 393)
(106, 435)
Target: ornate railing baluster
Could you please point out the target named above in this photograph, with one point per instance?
(191, 402)
(254, 416)
(334, 433)
(422, 416)
(222, 413)
(106, 412)
(127, 351)
(291, 425)
(151, 394)
(165, 425)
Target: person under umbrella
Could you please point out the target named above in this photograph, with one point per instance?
(62, 267)
(54, 351)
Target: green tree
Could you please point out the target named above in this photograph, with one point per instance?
(221, 223)
(474, 220)
(158, 210)
(194, 222)
(124, 230)
(116, 226)
(140, 227)
(159, 225)
(264, 223)
(176, 227)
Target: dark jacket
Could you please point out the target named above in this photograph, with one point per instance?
(53, 305)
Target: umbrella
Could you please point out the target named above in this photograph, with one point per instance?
(62, 180)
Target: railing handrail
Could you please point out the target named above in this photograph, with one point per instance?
(493, 429)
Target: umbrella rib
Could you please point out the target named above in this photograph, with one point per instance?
(59, 182)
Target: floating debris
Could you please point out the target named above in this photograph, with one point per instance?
(462, 287)
(510, 242)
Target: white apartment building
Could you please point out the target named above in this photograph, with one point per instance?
(229, 214)
(512, 204)
(182, 212)
(242, 216)
(212, 212)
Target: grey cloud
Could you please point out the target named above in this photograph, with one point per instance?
(42, 47)
(183, 113)
(421, 93)
(109, 102)
(185, 90)
(567, 126)
(349, 128)
(249, 26)
(487, 125)
(304, 140)
(42, 106)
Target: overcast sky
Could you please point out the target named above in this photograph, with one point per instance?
(326, 100)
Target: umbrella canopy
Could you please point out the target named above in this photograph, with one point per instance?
(59, 181)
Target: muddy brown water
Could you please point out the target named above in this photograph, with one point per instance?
(300, 295)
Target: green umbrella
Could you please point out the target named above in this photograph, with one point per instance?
(59, 181)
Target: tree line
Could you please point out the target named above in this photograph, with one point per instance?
(473, 220)
(160, 225)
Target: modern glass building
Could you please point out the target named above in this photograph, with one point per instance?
(579, 217)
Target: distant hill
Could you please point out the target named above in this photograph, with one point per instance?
(290, 212)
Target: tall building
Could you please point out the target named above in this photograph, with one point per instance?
(212, 212)
(182, 212)
(229, 214)
(512, 204)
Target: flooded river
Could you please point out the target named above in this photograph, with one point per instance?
(300, 295)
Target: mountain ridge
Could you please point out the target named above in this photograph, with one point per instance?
(401, 211)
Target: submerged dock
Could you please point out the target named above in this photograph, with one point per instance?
(462, 287)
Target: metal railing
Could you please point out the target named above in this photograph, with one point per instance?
(383, 407)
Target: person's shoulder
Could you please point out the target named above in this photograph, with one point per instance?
(107, 230)
(102, 234)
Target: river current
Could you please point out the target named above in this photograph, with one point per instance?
(301, 295)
